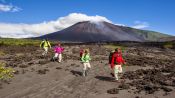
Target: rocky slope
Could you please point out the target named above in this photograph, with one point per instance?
(102, 31)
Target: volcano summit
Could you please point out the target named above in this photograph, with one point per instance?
(89, 31)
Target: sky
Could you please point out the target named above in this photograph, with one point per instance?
(28, 18)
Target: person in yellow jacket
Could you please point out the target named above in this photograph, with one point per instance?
(45, 44)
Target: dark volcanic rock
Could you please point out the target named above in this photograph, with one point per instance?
(58, 68)
(166, 89)
(43, 71)
(124, 86)
(113, 91)
(150, 89)
(150, 80)
(23, 66)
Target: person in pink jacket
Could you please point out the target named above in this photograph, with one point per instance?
(58, 52)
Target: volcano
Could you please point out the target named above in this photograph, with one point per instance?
(89, 31)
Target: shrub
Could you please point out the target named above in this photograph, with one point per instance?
(19, 42)
(113, 47)
(168, 45)
(5, 73)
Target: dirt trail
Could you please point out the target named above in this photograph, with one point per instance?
(38, 77)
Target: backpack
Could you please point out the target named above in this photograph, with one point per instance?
(110, 57)
(81, 53)
(42, 44)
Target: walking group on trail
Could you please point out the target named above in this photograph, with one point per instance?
(115, 58)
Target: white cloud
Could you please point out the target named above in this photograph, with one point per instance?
(33, 30)
(9, 8)
(120, 24)
(140, 25)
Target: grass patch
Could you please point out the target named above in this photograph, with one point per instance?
(113, 47)
(2, 53)
(19, 42)
(169, 45)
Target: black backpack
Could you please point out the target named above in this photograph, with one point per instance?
(42, 44)
(110, 57)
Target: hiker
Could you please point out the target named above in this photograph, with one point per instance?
(58, 52)
(116, 63)
(45, 44)
(85, 59)
(81, 53)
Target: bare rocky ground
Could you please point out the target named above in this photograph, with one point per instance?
(150, 72)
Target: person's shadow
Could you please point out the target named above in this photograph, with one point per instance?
(104, 78)
(76, 73)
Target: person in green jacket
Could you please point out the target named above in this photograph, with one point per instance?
(45, 44)
(86, 64)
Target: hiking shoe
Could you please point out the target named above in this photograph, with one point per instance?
(112, 74)
(116, 81)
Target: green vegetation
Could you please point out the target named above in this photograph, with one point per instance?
(5, 73)
(113, 47)
(146, 34)
(19, 42)
(151, 35)
(169, 45)
(2, 53)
